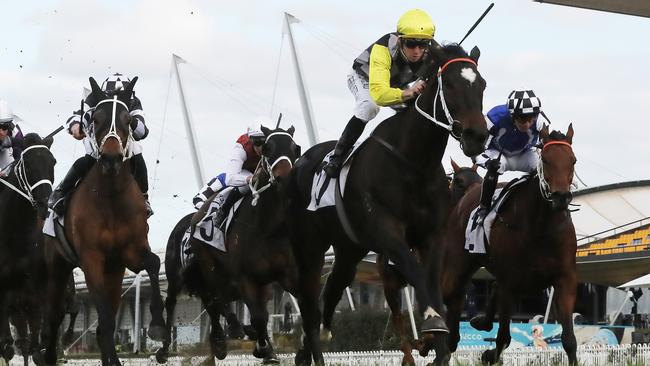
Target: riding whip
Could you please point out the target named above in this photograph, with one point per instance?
(279, 119)
(477, 22)
(58, 129)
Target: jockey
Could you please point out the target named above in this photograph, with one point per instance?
(514, 130)
(78, 125)
(10, 146)
(388, 73)
(244, 157)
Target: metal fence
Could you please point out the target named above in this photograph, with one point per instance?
(624, 355)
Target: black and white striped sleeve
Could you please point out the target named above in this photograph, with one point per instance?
(140, 129)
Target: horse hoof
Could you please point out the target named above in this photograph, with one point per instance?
(489, 357)
(236, 331)
(250, 332)
(271, 360)
(157, 333)
(481, 322)
(434, 324)
(8, 352)
(303, 358)
(161, 356)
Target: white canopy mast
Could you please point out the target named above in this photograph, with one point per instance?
(196, 161)
(305, 102)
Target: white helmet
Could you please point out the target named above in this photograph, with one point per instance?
(6, 114)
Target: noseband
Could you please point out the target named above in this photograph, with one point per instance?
(24, 188)
(268, 168)
(544, 187)
(127, 150)
(451, 122)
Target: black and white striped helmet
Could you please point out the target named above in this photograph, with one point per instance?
(522, 102)
(115, 83)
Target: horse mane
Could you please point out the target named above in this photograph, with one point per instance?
(32, 139)
(557, 136)
(454, 49)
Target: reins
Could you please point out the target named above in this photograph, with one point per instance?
(24, 188)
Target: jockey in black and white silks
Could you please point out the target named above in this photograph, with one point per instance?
(514, 131)
(80, 126)
(244, 158)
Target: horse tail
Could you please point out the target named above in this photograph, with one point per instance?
(173, 252)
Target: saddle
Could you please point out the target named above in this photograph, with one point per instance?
(203, 227)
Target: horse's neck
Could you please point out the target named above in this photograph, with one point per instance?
(540, 216)
(269, 212)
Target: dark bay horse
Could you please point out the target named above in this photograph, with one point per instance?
(188, 277)
(106, 223)
(532, 246)
(461, 179)
(396, 195)
(258, 251)
(23, 207)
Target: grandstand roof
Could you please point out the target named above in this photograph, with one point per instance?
(610, 209)
(630, 7)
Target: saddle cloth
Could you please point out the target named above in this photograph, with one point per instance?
(477, 235)
(321, 199)
(206, 231)
(54, 227)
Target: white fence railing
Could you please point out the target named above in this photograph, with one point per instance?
(623, 355)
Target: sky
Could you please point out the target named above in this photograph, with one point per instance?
(589, 68)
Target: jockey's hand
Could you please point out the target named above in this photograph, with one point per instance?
(77, 132)
(413, 91)
(493, 164)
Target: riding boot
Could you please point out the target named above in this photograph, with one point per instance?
(487, 189)
(139, 171)
(77, 171)
(230, 200)
(350, 134)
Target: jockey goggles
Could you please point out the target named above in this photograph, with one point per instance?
(416, 42)
(7, 126)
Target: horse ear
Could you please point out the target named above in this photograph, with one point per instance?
(454, 165)
(265, 131)
(126, 93)
(474, 54)
(96, 93)
(543, 134)
(569, 134)
(291, 130)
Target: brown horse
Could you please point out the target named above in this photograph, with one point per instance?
(106, 224)
(462, 179)
(532, 246)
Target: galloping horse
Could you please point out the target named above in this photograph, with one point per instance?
(258, 250)
(23, 206)
(396, 195)
(188, 277)
(532, 246)
(106, 224)
(461, 180)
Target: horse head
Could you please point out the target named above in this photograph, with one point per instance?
(555, 167)
(35, 171)
(457, 96)
(279, 151)
(462, 179)
(111, 133)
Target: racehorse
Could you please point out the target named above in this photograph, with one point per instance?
(106, 224)
(188, 277)
(396, 194)
(258, 250)
(23, 207)
(532, 246)
(462, 178)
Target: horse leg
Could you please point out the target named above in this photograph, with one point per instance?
(492, 356)
(392, 288)
(68, 336)
(309, 289)
(59, 271)
(256, 297)
(485, 322)
(218, 345)
(565, 290)
(173, 283)
(389, 235)
(342, 275)
(104, 288)
(150, 262)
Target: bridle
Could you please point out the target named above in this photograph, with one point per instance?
(267, 167)
(127, 150)
(544, 187)
(24, 188)
(451, 122)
